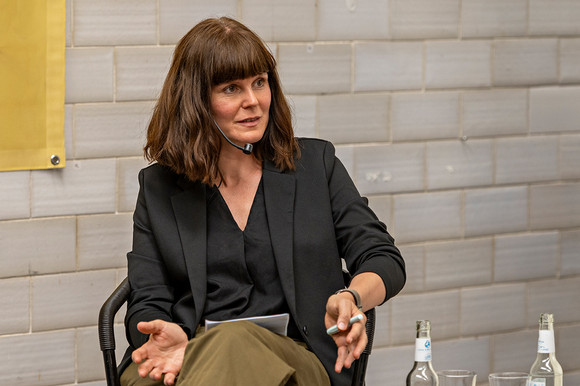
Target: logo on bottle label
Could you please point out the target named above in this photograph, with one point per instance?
(546, 343)
(537, 382)
(422, 350)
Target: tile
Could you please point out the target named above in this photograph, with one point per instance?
(508, 300)
(526, 159)
(554, 109)
(68, 18)
(16, 298)
(427, 216)
(68, 130)
(467, 353)
(558, 297)
(494, 112)
(569, 60)
(84, 186)
(315, 68)
(572, 378)
(493, 18)
(570, 156)
(15, 193)
(567, 341)
(569, 247)
(303, 109)
(389, 366)
(382, 326)
(496, 210)
(284, 20)
(128, 182)
(382, 66)
(456, 164)
(111, 129)
(554, 206)
(414, 256)
(554, 17)
(345, 153)
(89, 75)
(457, 64)
(177, 17)
(110, 22)
(514, 351)
(526, 256)
(382, 206)
(407, 309)
(365, 20)
(460, 263)
(389, 168)
(89, 356)
(37, 359)
(104, 240)
(141, 71)
(35, 247)
(416, 19)
(525, 62)
(416, 116)
(351, 118)
(69, 300)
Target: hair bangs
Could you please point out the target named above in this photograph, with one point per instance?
(239, 57)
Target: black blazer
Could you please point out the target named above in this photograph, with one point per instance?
(315, 216)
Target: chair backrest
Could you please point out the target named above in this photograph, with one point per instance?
(120, 296)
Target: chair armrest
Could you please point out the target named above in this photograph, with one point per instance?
(106, 331)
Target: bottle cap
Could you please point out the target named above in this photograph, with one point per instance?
(546, 318)
(423, 325)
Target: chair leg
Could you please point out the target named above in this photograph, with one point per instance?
(111, 367)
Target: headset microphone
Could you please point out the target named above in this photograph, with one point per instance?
(248, 147)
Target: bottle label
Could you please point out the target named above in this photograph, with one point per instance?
(537, 382)
(546, 343)
(422, 350)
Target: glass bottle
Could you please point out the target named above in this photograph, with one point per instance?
(546, 371)
(422, 373)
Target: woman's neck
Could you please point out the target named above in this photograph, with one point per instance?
(237, 167)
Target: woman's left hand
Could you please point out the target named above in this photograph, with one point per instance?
(351, 341)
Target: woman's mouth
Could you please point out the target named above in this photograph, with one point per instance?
(249, 120)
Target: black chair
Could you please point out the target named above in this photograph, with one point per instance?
(120, 296)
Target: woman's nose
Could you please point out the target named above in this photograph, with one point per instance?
(249, 99)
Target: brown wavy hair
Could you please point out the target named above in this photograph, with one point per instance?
(182, 134)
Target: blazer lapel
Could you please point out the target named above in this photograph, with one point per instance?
(279, 191)
(189, 207)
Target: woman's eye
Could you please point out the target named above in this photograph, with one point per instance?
(230, 89)
(261, 82)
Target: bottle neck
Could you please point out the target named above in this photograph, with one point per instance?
(546, 342)
(423, 348)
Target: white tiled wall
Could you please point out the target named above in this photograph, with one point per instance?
(458, 118)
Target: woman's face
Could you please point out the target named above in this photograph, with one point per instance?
(241, 107)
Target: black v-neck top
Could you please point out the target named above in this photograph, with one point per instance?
(242, 277)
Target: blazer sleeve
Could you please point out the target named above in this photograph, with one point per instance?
(362, 239)
(151, 296)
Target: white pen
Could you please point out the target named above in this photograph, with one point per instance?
(334, 329)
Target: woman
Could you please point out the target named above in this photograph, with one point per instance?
(237, 218)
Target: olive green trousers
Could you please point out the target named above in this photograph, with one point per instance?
(241, 353)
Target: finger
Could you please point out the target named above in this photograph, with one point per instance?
(169, 379)
(342, 354)
(145, 368)
(150, 327)
(155, 374)
(139, 355)
(357, 330)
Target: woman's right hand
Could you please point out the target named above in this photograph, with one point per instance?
(162, 354)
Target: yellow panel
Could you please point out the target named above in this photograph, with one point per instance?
(32, 44)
